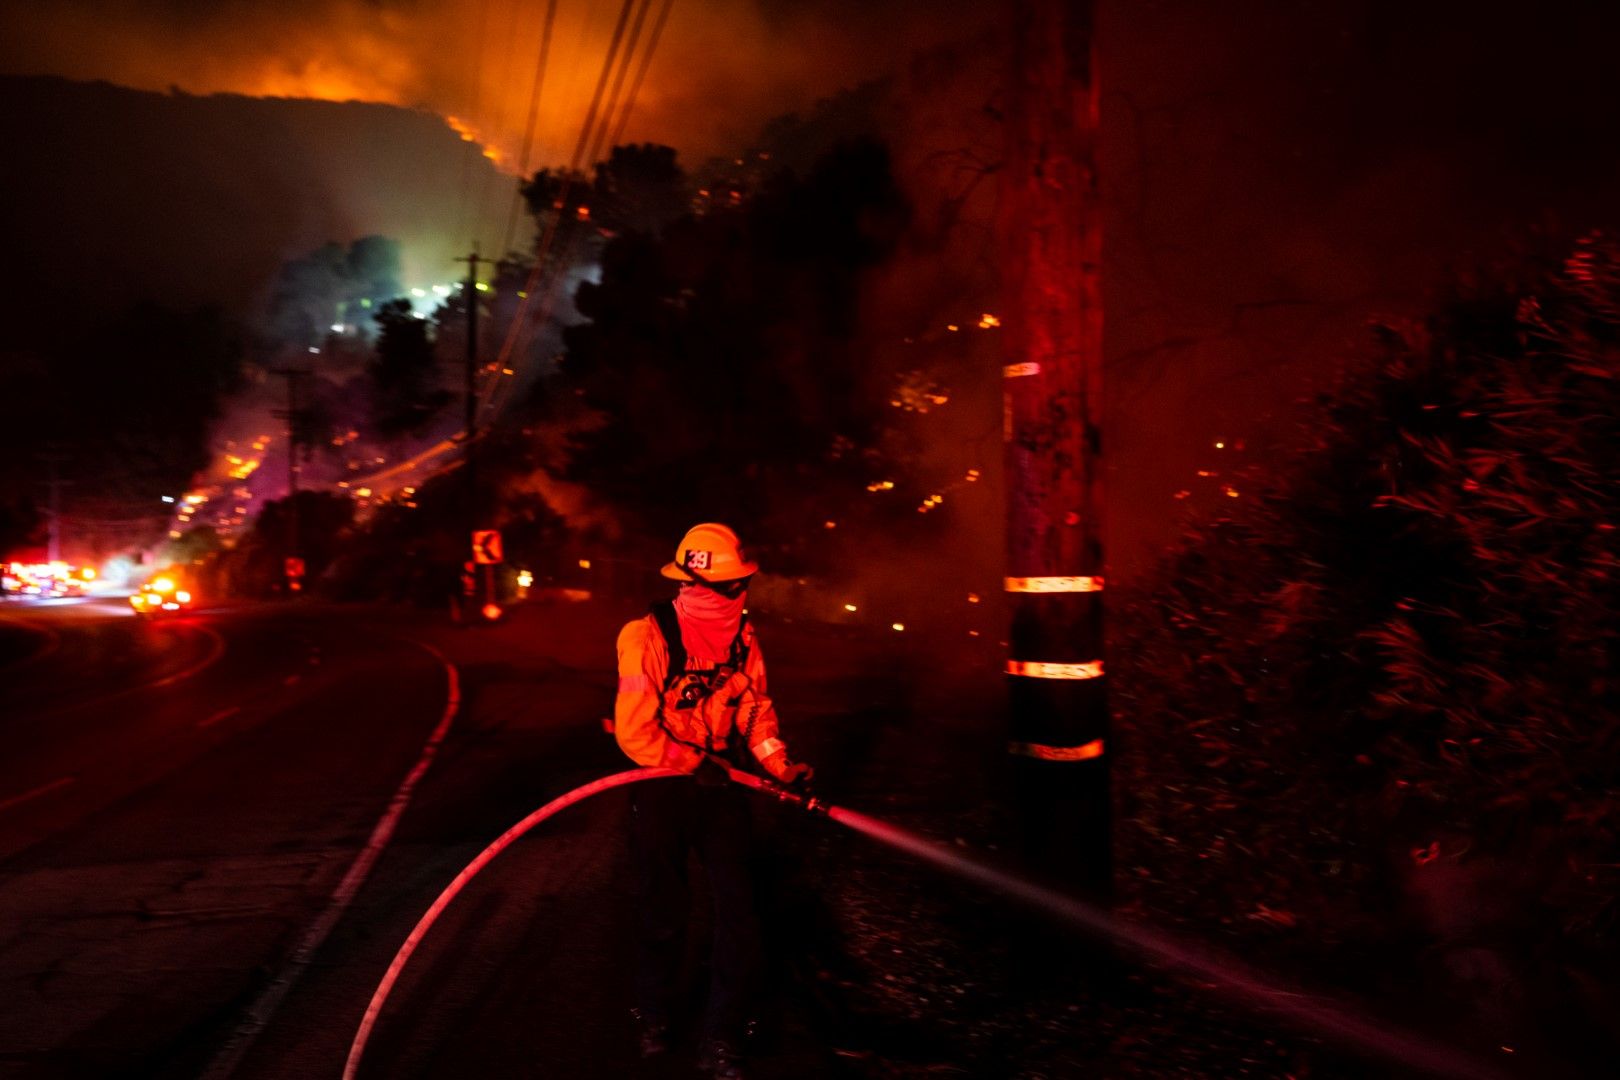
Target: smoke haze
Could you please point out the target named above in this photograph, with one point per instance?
(722, 66)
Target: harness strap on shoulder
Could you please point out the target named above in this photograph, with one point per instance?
(663, 613)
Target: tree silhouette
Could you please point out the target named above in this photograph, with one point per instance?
(403, 372)
(724, 356)
(639, 188)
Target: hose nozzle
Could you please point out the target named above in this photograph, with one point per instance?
(802, 799)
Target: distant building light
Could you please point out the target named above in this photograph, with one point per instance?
(419, 293)
(313, 349)
(168, 498)
(337, 328)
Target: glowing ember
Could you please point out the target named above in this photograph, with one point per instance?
(987, 320)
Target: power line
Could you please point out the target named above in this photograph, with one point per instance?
(520, 331)
(601, 83)
(618, 83)
(519, 327)
(641, 72)
(528, 130)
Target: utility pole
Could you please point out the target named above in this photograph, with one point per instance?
(1052, 330)
(469, 438)
(470, 294)
(295, 417)
(53, 537)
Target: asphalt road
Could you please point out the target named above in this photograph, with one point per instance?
(216, 830)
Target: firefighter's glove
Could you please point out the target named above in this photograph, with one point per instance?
(794, 775)
(711, 774)
(679, 756)
(798, 775)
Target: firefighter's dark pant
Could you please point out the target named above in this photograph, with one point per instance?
(669, 818)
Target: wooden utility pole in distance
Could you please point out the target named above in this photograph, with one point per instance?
(1052, 330)
(295, 415)
(475, 510)
(470, 390)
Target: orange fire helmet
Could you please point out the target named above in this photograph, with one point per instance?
(710, 552)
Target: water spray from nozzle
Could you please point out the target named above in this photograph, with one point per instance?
(1226, 973)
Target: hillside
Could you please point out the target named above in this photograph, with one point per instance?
(112, 195)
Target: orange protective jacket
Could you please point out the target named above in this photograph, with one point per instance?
(645, 716)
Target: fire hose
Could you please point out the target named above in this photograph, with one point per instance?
(1327, 1018)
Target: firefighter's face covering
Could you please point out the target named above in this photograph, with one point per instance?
(709, 616)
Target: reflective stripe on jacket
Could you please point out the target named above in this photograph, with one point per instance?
(645, 716)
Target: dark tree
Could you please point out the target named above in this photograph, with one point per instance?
(403, 373)
(1372, 708)
(560, 202)
(324, 523)
(723, 357)
(639, 188)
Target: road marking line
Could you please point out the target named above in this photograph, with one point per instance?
(264, 1007)
(216, 649)
(43, 789)
(221, 715)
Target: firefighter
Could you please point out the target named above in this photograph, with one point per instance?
(692, 688)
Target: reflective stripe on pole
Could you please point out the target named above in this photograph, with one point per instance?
(1052, 584)
(1083, 752)
(1036, 669)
